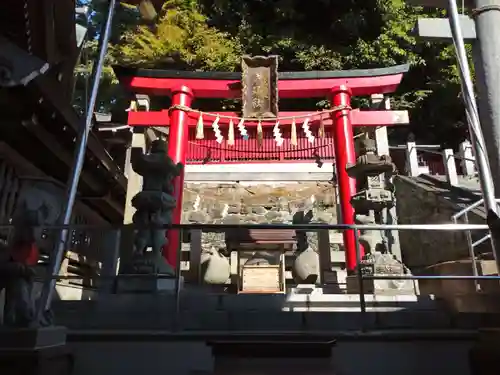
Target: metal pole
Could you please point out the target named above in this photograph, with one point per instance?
(74, 178)
(361, 285)
(487, 52)
(178, 284)
(479, 145)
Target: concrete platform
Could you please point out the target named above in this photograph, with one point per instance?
(38, 351)
(32, 338)
(374, 353)
(145, 284)
(300, 310)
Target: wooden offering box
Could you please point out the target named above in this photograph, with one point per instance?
(269, 244)
(263, 278)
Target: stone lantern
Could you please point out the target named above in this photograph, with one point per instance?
(375, 194)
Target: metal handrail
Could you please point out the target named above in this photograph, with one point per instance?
(424, 147)
(441, 154)
(480, 241)
(444, 156)
(472, 245)
(306, 227)
(429, 151)
(468, 208)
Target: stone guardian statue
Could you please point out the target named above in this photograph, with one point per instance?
(154, 205)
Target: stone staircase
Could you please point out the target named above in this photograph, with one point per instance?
(431, 200)
(302, 309)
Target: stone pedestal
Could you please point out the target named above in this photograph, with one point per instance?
(386, 287)
(145, 284)
(37, 351)
(386, 265)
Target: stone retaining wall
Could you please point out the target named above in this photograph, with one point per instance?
(259, 203)
(422, 203)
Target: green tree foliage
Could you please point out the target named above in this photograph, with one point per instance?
(181, 37)
(110, 93)
(307, 35)
(349, 34)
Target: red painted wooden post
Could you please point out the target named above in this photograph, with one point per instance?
(345, 154)
(177, 150)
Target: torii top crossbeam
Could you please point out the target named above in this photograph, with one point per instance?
(224, 85)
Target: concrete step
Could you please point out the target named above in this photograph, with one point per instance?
(301, 298)
(92, 316)
(289, 302)
(303, 308)
(168, 320)
(199, 310)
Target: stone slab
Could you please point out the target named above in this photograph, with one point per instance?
(320, 321)
(144, 284)
(270, 321)
(377, 316)
(32, 338)
(474, 303)
(438, 29)
(462, 267)
(207, 321)
(388, 287)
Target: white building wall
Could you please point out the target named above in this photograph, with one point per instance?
(257, 173)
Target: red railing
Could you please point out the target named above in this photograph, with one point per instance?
(432, 161)
(207, 150)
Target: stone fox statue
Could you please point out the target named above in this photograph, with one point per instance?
(17, 272)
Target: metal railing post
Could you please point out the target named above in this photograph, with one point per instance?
(450, 167)
(48, 288)
(467, 159)
(178, 275)
(412, 159)
(479, 145)
(362, 301)
(467, 209)
(464, 212)
(472, 254)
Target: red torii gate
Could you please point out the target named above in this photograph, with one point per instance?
(339, 86)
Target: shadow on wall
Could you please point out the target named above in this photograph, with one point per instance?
(423, 203)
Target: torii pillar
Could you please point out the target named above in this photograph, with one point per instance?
(483, 32)
(177, 149)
